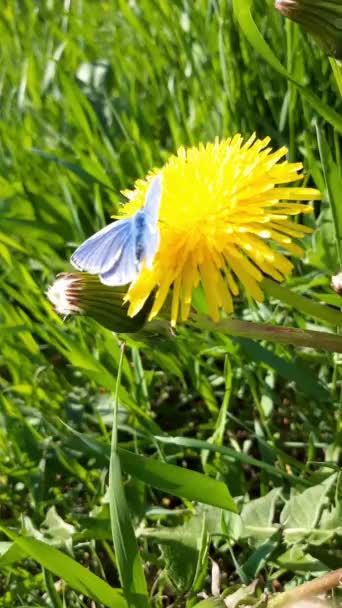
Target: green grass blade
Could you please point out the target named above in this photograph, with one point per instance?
(242, 12)
(231, 454)
(77, 576)
(337, 71)
(126, 549)
(166, 477)
(178, 481)
(302, 303)
(334, 189)
(293, 370)
(70, 166)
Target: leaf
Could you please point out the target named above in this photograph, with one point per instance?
(10, 553)
(177, 480)
(258, 515)
(77, 576)
(298, 559)
(301, 514)
(211, 602)
(181, 548)
(56, 528)
(242, 596)
(126, 550)
(258, 559)
(169, 478)
(230, 454)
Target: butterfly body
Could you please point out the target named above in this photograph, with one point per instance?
(118, 251)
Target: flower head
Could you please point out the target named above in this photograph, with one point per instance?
(336, 283)
(224, 206)
(321, 18)
(84, 294)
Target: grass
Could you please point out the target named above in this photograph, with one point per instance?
(92, 97)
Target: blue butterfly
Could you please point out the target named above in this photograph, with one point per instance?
(118, 251)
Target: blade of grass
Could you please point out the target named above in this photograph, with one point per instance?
(302, 303)
(243, 15)
(77, 576)
(334, 188)
(169, 478)
(232, 454)
(126, 549)
(178, 481)
(282, 335)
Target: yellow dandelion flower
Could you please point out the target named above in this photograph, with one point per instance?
(224, 206)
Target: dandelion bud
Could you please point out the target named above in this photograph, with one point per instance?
(321, 18)
(84, 294)
(336, 283)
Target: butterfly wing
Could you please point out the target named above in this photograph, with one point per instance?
(125, 267)
(151, 209)
(117, 251)
(109, 253)
(152, 200)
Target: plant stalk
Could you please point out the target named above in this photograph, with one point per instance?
(281, 335)
(318, 586)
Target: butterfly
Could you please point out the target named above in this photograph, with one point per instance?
(118, 251)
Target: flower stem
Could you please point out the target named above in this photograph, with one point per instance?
(318, 586)
(114, 442)
(314, 309)
(282, 335)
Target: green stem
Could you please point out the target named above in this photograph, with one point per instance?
(282, 335)
(114, 441)
(314, 309)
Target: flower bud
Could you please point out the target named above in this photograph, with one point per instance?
(84, 294)
(321, 18)
(336, 283)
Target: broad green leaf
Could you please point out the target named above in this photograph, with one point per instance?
(211, 602)
(301, 514)
(257, 517)
(298, 559)
(181, 548)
